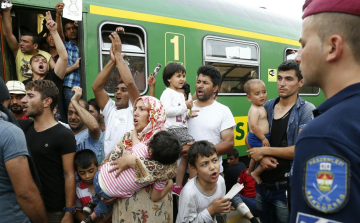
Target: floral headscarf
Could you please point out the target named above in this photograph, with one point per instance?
(146, 170)
(157, 118)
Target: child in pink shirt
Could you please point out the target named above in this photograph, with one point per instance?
(163, 148)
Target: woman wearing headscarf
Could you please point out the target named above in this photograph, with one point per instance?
(139, 207)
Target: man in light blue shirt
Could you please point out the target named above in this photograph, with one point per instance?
(84, 126)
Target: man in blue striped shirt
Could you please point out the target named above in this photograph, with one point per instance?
(72, 78)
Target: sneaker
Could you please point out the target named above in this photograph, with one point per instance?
(88, 209)
(87, 220)
(176, 190)
(254, 220)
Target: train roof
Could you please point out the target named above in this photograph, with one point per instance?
(223, 13)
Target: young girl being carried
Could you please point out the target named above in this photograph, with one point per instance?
(177, 113)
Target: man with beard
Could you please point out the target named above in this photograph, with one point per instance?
(41, 70)
(23, 51)
(84, 126)
(326, 177)
(72, 78)
(52, 147)
(119, 115)
(287, 115)
(19, 203)
(17, 92)
(219, 130)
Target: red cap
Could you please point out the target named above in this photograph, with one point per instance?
(312, 7)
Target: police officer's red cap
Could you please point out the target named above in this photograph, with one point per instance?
(312, 7)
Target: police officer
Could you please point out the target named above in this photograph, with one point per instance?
(326, 172)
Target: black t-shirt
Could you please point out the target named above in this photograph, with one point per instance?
(278, 138)
(47, 148)
(231, 174)
(59, 84)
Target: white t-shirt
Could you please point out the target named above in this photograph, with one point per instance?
(193, 202)
(117, 123)
(210, 122)
(175, 109)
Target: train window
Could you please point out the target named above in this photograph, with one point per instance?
(289, 54)
(133, 42)
(237, 61)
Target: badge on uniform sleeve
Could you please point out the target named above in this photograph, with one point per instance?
(306, 218)
(326, 183)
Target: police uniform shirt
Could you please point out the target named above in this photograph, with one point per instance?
(326, 165)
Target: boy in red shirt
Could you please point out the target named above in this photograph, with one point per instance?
(244, 201)
(86, 165)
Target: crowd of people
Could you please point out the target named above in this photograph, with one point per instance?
(65, 159)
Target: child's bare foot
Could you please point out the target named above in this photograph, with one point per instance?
(256, 178)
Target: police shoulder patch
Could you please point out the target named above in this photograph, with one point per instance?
(306, 218)
(326, 182)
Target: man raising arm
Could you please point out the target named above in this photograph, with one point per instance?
(90, 122)
(84, 126)
(23, 51)
(118, 115)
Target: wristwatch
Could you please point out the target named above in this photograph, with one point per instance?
(70, 209)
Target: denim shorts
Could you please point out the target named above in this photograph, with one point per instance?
(101, 208)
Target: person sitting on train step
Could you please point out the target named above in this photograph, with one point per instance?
(72, 78)
(244, 201)
(119, 114)
(287, 115)
(23, 51)
(232, 175)
(84, 126)
(40, 69)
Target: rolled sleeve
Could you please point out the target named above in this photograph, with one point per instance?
(307, 115)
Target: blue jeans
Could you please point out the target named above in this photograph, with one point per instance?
(250, 202)
(67, 97)
(271, 205)
(101, 208)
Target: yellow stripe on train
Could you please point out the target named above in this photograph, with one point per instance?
(105, 11)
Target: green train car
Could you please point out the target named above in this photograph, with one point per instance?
(241, 42)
